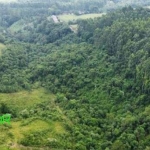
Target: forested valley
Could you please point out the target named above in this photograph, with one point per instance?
(66, 90)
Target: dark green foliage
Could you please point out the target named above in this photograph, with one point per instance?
(101, 78)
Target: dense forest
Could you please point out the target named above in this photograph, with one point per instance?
(69, 6)
(100, 76)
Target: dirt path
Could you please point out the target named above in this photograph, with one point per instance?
(64, 116)
(62, 113)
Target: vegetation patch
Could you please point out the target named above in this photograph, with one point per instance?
(73, 17)
(2, 47)
(25, 99)
(99, 77)
(31, 128)
(19, 25)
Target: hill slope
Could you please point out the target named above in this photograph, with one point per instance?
(100, 78)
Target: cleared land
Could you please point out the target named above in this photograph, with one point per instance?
(74, 28)
(12, 134)
(2, 46)
(19, 25)
(8, 1)
(22, 100)
(147, 7)
(71, 17)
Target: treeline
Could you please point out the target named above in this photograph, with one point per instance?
(57, 7)
(14, 13)
(41, 31)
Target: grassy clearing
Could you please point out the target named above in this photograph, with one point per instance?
(17, 132)
(12, 134)
(2, 46)
(74, 28)
(17, 26)
(71, 17)
(24, 99)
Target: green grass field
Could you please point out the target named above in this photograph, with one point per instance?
(22, 100)
(74, 28)
(2, 46)
(12, 134)
(17, 26)
(71, 17)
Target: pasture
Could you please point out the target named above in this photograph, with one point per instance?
(2, 46)
(21, 129)
(73, 17)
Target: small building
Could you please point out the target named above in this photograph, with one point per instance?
(55, 19)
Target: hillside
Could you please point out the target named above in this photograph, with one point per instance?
(37, 121)
(87, 90)
(76, 6)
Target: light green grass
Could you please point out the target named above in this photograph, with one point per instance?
(18, 131)
(20, 127)
(24, 99)
(17, 26)
(2, 46)
(37, 125)
(4, 148)
(74, 28)
(71, 17)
